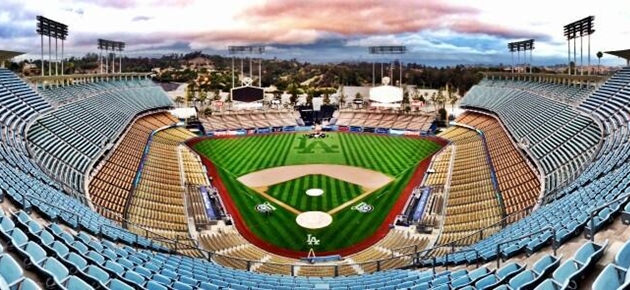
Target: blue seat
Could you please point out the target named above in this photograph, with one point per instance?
(471, 278)
(73, 282)
(32, 253)
(28, 284)
(54, 271)
(612, 277)
(527, 279)
(572, 270)
(10, 270)
(118, 285)
(152, 285)
(94, 276)
(546, 265)
(6, 226)
(17, 238)
(502, 274)
(622, 258)
(549, 284)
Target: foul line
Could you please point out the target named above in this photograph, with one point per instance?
(262, 191)
(350, 202)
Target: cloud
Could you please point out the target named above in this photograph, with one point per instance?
(141, 18)
(353, 18)
(373, 17)
(472, 26)
(118, 4)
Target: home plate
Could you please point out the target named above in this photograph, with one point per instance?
(314, 220)
(314, 192)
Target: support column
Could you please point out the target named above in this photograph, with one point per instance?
(42, 64)
(575, 56)
(581, 55)
(401, 73)
(56, 59)
(49, 57)
(569, 54)
(589, 54)
(62, 70)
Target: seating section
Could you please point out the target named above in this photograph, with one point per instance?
(438, 180)
(157, 201)
(604, 180)
(109, 188)
(249, 120)
(471, 202)
(518, 183)
(195, 178)
(18, 104)
(556, 135)
(66, 141)
(568, 93)
(88, 251)
(387, 120)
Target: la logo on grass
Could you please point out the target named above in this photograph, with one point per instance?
(307, 146)
(312, 240)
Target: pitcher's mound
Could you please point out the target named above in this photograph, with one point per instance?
(314, 220)
(314, 192)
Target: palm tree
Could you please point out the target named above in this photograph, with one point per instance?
(179, 100)
(599, 61)
(202, 97)
(452, 98)
(434, 99)
(341, 99)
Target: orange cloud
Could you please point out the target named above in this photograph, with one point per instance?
(355, 17)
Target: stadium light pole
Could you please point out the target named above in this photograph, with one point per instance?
(388, 50)
(51, 29)
(248, 51)
(524, 45)
(104, 44)
(583, 27)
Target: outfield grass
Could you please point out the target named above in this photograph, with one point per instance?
(394, 156)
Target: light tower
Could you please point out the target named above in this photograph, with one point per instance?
(388, 50)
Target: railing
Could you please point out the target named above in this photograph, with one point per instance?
(553, 238)
(458, 243)
(590, 234)
(407, 260)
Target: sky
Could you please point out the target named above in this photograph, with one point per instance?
(435, 32)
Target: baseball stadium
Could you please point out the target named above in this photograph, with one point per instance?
(108, 182)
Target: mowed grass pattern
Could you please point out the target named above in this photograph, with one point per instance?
(293, 192)
(394, 156)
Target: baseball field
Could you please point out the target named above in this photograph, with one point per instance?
(289, 193)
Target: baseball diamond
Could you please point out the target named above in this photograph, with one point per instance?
(362, 176)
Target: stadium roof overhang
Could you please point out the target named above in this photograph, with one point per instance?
(624, 53)
(7, 54)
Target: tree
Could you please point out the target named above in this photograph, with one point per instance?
(217, 95)
(341, 99)
(452, 98)
(202, 97)
(190, 92)
(179, 100)
(294, 90)
(599, 61)
(327, 98)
